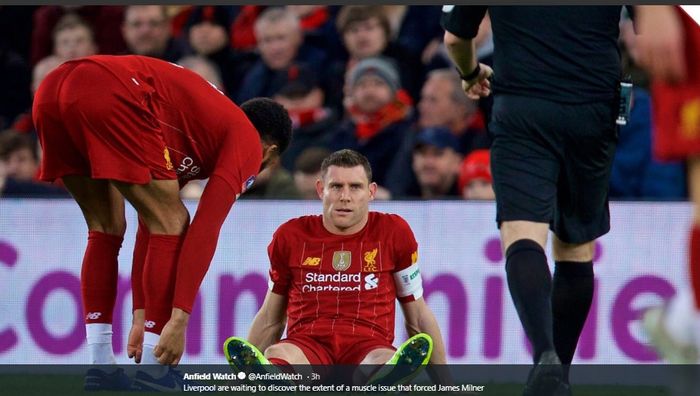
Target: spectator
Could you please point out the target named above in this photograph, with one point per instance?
(280, 43)
(146, 30)
(19, 163)
(366, 32)
(19, 153)
(204, 67)
(273, 182)
(475, 180)
(105, 22)
(208, 30)
(436, 163)
(303, 98)
(442, 104)
(379, 114)
(24, 123)
(307, 171)
(318, 25)
(73, 38)
(416, 30)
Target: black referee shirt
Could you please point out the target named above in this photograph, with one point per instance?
(564, 54)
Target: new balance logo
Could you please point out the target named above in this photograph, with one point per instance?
(371, 282)
(150, 324)
(93, 315)
(311, 262)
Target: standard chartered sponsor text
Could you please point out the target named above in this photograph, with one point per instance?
(352, 282)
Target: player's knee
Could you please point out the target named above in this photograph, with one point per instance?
(170, 220)
(279, 351)
(577, 252)
(378, 356)
(107, 223)
(117, 228)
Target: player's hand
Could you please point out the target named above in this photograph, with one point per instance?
(134, 347)
(660, 43)
(480, 86)
(171, 345)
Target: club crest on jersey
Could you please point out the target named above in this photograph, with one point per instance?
(168, 163)
(311, 262)
(370, 261)
(341, 260)
(246, 185)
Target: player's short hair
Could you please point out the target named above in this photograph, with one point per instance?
(271, 120)
(347, 158)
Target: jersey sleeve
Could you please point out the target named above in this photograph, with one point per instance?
(200, 241)
(278, 253)
(240, 157)
(462, 21)
(407, 278)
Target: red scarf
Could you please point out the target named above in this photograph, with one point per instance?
(368, 125)
(302, 118)
(314, 19)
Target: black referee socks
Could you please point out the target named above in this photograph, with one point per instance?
(530, 285)
(572, 294)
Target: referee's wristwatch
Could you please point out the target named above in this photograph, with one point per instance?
(471, 76)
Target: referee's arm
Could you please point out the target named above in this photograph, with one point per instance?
(461, 24)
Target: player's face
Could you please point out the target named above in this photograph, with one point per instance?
(345, 193)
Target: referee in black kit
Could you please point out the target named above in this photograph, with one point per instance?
(555, 80)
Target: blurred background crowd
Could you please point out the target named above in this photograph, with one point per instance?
(375, 79)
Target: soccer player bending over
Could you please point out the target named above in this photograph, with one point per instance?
(334, 279)
(115, 127)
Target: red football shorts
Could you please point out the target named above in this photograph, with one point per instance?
(92, 123)
(677, 107)
(336, 348)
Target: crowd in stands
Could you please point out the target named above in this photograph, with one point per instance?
(372, 78)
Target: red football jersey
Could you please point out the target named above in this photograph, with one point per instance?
(204, 131)
(676, 107)
(344, 283)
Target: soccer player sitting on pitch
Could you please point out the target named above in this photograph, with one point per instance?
(335, 277)
(115, 127)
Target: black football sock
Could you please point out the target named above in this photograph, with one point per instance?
(530, 285)
(572, 294)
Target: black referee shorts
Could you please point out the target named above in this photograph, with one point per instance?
(551, 164)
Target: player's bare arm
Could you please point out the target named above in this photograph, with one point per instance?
(268, 324)
(420, 319)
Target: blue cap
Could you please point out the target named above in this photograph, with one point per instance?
(437, 137)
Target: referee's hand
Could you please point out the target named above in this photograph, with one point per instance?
(480, 86)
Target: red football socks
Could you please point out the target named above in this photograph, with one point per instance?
(159, 276)
(98, 277)
(137, 263)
